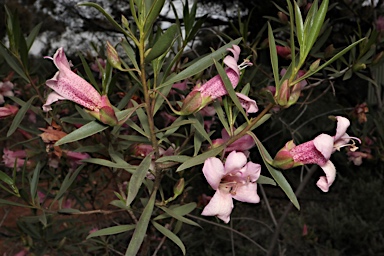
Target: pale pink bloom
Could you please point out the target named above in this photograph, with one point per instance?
(247, 103)
(11, 157)
(234, 180)
(317, 151)
(214, 88)
(5, 90)
(8, 110)
(76, 157)
(182, 86)
(243, 144)
(69, 86)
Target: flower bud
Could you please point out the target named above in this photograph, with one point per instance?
(113, 57)
(283, 158)
(282, 17)
(179, 187)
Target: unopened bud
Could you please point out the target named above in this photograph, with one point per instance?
(328, 52)
(282, 17)
(113, 57)
(179, 187)
(359, 66)
(283, 94)
(314, 65)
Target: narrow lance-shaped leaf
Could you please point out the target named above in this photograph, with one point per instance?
(20, 116)
(163, 43)
(141, 227)
(200, 65)
(199, 159)
(274, 60)
(173, 237)
(229, 87)
(277, 175)
(111, 231)
(137, 178)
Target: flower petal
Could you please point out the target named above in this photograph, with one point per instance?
(342, 126)
(251, 171)
(324, 144)
(220, 205)
(52, 97)
(213, 170)
(247, 103)
(326, 181)
(247, 193)
(235, 161)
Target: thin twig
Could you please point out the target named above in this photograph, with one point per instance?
(288, 208)
(229, 228)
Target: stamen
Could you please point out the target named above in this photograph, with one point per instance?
(352, 146)
(244, 64)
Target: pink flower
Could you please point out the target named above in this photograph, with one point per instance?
(69, 86)
(247, 103)
(12, 158)
(243, 144)
(236, 179)
(5, 90)
(8, 110)
(317, 151)
(74, 158)
(201, 96)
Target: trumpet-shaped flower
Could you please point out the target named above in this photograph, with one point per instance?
(317, 151)
(243, 144)
(8, 110)
(67, 85)
(202, 95)
(5, 90)
(236, 179)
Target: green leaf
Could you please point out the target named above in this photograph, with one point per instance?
(163, 43)
(35, 181)
(221, 115)
(32, 35)
(199, 159)
(179, 217)
(107, 163)
(5, 178)
(109, 18)
(314, 29)
(141, 228)
(137, 178)
(84, 131)
(200, 65)
(111, 230)
(20, 116)
(3, 201)
(67, 182)
(299, 25)
(178, 158)
(200, 128)
(266, 180)
(338, 55)
(174, 238)
(274, 59)
(277, 175)
(12, 62)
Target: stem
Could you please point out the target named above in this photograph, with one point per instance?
(251, 124)
(147, 98)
